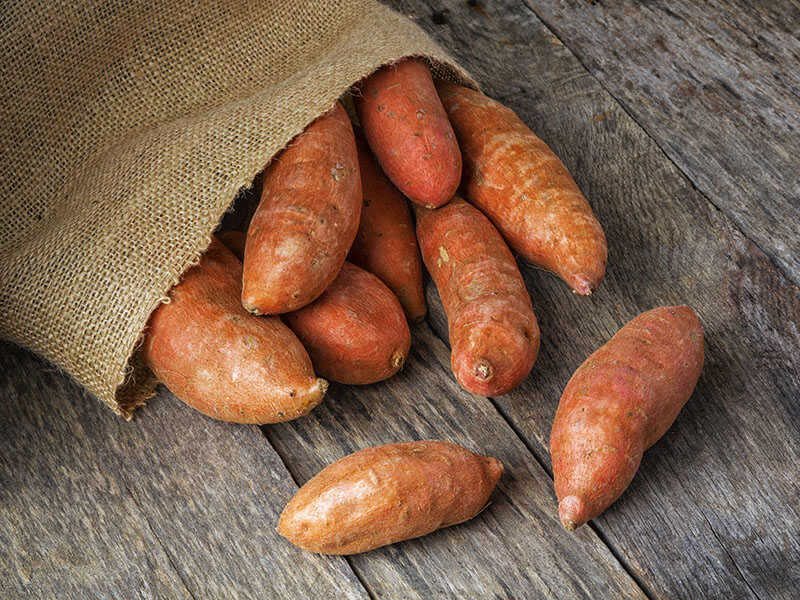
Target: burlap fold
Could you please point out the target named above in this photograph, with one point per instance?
(127, 129)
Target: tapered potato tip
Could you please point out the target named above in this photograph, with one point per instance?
(311, 398)
(582, 285)
(474, 375)
(251, 308)
(496, 468)
(572, 512)
(483, 370)
(322, 387)
(398, 358)
(285, 526)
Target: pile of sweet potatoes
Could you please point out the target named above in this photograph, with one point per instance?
(330, 274)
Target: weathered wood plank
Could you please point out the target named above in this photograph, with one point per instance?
(182, 505)
(717, 85)
(173, 505)
(714, 509)
(515, 548)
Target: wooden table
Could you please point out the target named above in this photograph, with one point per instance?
(681, 123)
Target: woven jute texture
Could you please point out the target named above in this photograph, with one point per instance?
(127, 129)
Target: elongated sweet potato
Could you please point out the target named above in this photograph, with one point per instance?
(387, 494)
(618, 404)
(408, 131)
(386, 244)
(494, 336)
(222, 361)
(355, 332)
(307, 219)
(526, 191)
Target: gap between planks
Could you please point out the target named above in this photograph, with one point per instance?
(156, 537)
(777, 267)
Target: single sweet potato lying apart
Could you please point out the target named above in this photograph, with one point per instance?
(618, 404)
(387, 494)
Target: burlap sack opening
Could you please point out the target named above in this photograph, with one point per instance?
(127, 131)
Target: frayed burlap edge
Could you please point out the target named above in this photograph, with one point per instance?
(128, 131)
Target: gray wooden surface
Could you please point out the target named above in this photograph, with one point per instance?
(716, 84)
(176, 505)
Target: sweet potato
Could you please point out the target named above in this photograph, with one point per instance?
(222, 361)
(307, 218)
(618, 404)
(387, 494)
(408, 131)
(386, 244)
(494, 335)
(526, 191)
(355, 332)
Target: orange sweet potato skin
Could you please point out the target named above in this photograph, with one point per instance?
(387, 494)
(356, 332)
(307, 218)
(526, 191)
(494, 335)
(409, 132)
(222, 361)
(386, 244)
(618, 404)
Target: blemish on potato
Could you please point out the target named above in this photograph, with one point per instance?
(338, 172)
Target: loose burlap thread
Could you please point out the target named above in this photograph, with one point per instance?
(127, 129)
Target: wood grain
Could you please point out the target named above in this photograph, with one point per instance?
(516, 547)
(716, 83)
(177, 505)
(713, 511)
(173, 505)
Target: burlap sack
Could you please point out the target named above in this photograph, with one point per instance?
(127, 129)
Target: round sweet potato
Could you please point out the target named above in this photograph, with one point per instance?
(356, 332)
(222, 361)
